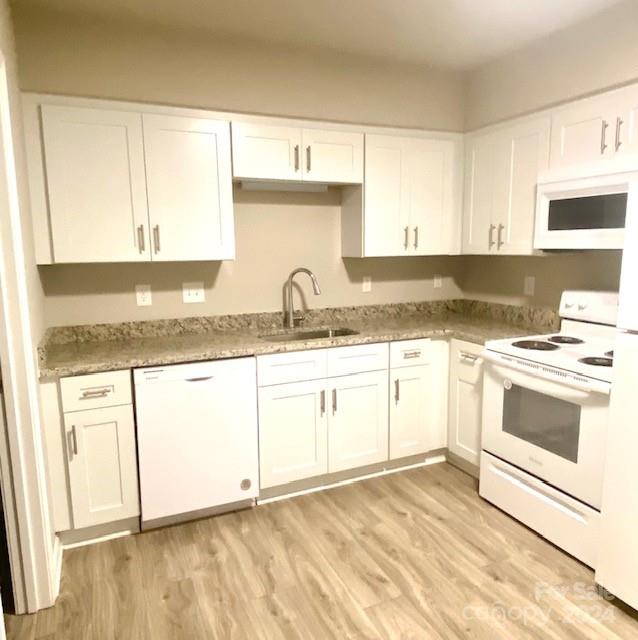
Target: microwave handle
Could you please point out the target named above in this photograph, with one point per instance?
(571, 391)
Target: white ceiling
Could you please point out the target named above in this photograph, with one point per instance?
(458, 34)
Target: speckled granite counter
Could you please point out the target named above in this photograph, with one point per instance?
(88, 349)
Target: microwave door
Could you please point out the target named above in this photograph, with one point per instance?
(628, 298)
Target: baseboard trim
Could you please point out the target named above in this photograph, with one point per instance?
(99, 533)
(469, 468)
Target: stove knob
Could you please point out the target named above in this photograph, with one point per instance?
(569, 305)
(582, 307)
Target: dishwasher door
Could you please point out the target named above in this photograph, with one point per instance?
(197, 437)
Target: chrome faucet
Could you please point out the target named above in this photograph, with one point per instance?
(290, 318)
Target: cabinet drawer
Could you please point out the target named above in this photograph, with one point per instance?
(343, 361)
(279, 368)
(406, 353)
(96, 390)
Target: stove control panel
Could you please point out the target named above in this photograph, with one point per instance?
(590, 306)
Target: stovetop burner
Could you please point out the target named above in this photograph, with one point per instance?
(536, 345)
(597, 361)
(565, 340)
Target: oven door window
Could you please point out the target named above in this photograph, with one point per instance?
(591, 212)
(547, 422)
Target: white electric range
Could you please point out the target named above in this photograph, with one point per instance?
(545, 412)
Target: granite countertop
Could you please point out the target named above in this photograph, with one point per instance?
(129, 345)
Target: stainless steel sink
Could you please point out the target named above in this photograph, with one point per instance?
(309, 334)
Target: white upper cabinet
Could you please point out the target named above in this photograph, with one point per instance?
(96, 184)
(411, 199)
(271, 152)
(189, 185)
(626, 123)
(502, 168)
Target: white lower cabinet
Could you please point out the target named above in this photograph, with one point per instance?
(358, 423)
(293, 432)
(466, 391)
(102, 465)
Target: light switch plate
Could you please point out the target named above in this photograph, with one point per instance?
(193, 292)
(366, 284)
(143, 295)
(529, 285)
(438, 282)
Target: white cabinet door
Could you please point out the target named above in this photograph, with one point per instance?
(293, 439)
(102, 465)
(332, 156)
(626, 122)
(96, 184)
(410, 401)
(429, 176)
(583, 132)
(521, 152)
(358, 422)
(385, 226)
(466, 390)
(478, 232)
(189, 180)
(266, 152)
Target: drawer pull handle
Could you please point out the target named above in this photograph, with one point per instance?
(468, 357)
(200, 379)
(407, 355)
(94, 393)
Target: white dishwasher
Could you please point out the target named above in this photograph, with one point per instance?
(197, 437)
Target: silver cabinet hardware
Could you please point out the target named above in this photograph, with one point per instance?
(499, 237)
(156, 237)
(94, 393)
(468, 357)
(407, 355)
(416, 237)
(603, 136)
(619, 123)
(323, 402)
(74, 440)
(140, 238)
(490, 236)
(334, 401)
(406, 231)
(296, 157)
(201, 379)
(308, 158)
(396, 390)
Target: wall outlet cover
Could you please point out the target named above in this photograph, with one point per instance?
(143, 295)
(529, 285)
(193, 292)
(366, 284)
(438, 282)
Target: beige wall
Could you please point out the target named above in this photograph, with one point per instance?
(276, 232)
(60, 54)
(598, 53)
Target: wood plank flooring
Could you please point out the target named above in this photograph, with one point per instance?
(417, 554)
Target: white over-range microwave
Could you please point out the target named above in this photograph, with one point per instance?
(583, 213)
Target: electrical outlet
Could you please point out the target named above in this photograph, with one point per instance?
(193, 292)
(366, 284)
(143, 295)
(438, 282)
(529, 285)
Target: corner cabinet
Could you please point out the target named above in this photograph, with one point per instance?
(410, 203)
(111, 184)
(501, 172)
(286, 153)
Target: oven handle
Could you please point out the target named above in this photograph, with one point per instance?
(573, 389)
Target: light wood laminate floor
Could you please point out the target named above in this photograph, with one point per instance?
(416, 554)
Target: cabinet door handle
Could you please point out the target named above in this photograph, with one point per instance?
(74, 440)
(416, 237)
(156, 236)
(603, 136)
(323, 402)
(200, 379)
(619, 123)
(406, 240)
(499, 237)
(308, 158)
(490, 236)
(140, 238)
(396, 390)
(296, 157)
(334, 401)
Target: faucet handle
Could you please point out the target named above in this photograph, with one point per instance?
(298, 318)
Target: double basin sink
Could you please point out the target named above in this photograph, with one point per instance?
(309, 334)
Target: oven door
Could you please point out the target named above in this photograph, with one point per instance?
(588, 213)
(550, 429)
